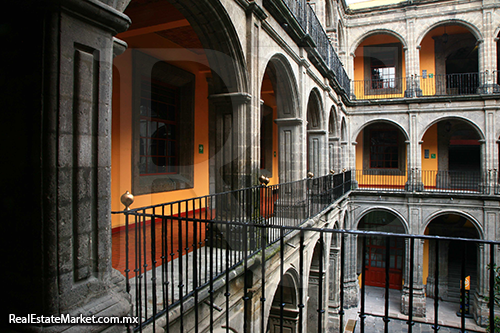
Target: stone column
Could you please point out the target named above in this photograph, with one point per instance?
(231, 142)
(443, 270)
(318, 163)
(59, 234)
(418, 288)
(351, 283)
(333, 150)
(334, 289)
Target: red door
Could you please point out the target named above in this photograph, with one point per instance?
(375, 262)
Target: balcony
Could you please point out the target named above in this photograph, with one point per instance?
(432, 181)
(463, 84)
(300, 22)
(205, 263)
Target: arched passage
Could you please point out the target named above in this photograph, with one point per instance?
(452, 155)
(374, 258)
(179, 77)
(286, 294)
(449, 60)
(379, 65)
(381, 156)
(333, 140)
(279, 122)
(316, 134)
(451, 255)
(316, 289)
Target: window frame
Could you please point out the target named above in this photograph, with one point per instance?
(368, 55)
(384, 160)
(149, 67)
(402, 151)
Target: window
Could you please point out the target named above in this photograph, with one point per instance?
(383, 69)
(158, 128)
(384, 149)
(162, 126)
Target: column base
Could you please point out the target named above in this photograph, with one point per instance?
(480, 310)
(351, 294)
(418, 302)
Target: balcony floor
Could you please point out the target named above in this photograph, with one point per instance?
(375, 305)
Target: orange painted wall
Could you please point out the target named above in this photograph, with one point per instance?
(372, 179)
(430, 165)
(427, 58)
(121, 161)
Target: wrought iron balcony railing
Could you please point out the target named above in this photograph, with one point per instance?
(175, 252)
(180, 256)
(301, 23)
(460, 84)
(465, 182)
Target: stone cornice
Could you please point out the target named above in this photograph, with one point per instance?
(96, 11)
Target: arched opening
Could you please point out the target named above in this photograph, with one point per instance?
(316, 289)
(279, 124)
(268, 129)
(451, 256)
(381, 159)
(451, 156)
(172, 121)
(315, 134)
(449, 61)
(285, 294)
(374, 258)
(379, 67)
(343, 145)
(333, 140)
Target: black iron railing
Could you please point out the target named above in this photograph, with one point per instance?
(301, 23)
(424, 86)
(395, 180)
(175, 252)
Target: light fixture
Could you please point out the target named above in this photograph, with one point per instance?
(445, 36)
(447, 126)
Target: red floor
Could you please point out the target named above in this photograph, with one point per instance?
(144, 251)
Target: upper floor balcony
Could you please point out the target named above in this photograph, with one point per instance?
(384, 86)
(299, 20)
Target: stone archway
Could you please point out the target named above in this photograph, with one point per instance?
(279, 89)
(316, 287)
(286, 317)
(451, 255)
(316, 135)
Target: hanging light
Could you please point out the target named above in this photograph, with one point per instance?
(447, 126)
(445, 36)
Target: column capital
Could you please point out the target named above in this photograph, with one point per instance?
(108, 17)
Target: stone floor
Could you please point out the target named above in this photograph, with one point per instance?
(375, 300)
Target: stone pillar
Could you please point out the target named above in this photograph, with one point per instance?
(443, 270)
(418, 288)
(351, 283)
(59, 241)
(231, 141)
(318, 163)
(334, 289)
(333, 150)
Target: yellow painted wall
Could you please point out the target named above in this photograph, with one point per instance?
(427, 58)
(359, 70)
(374, 180)
(121, 160)
(430, 165)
